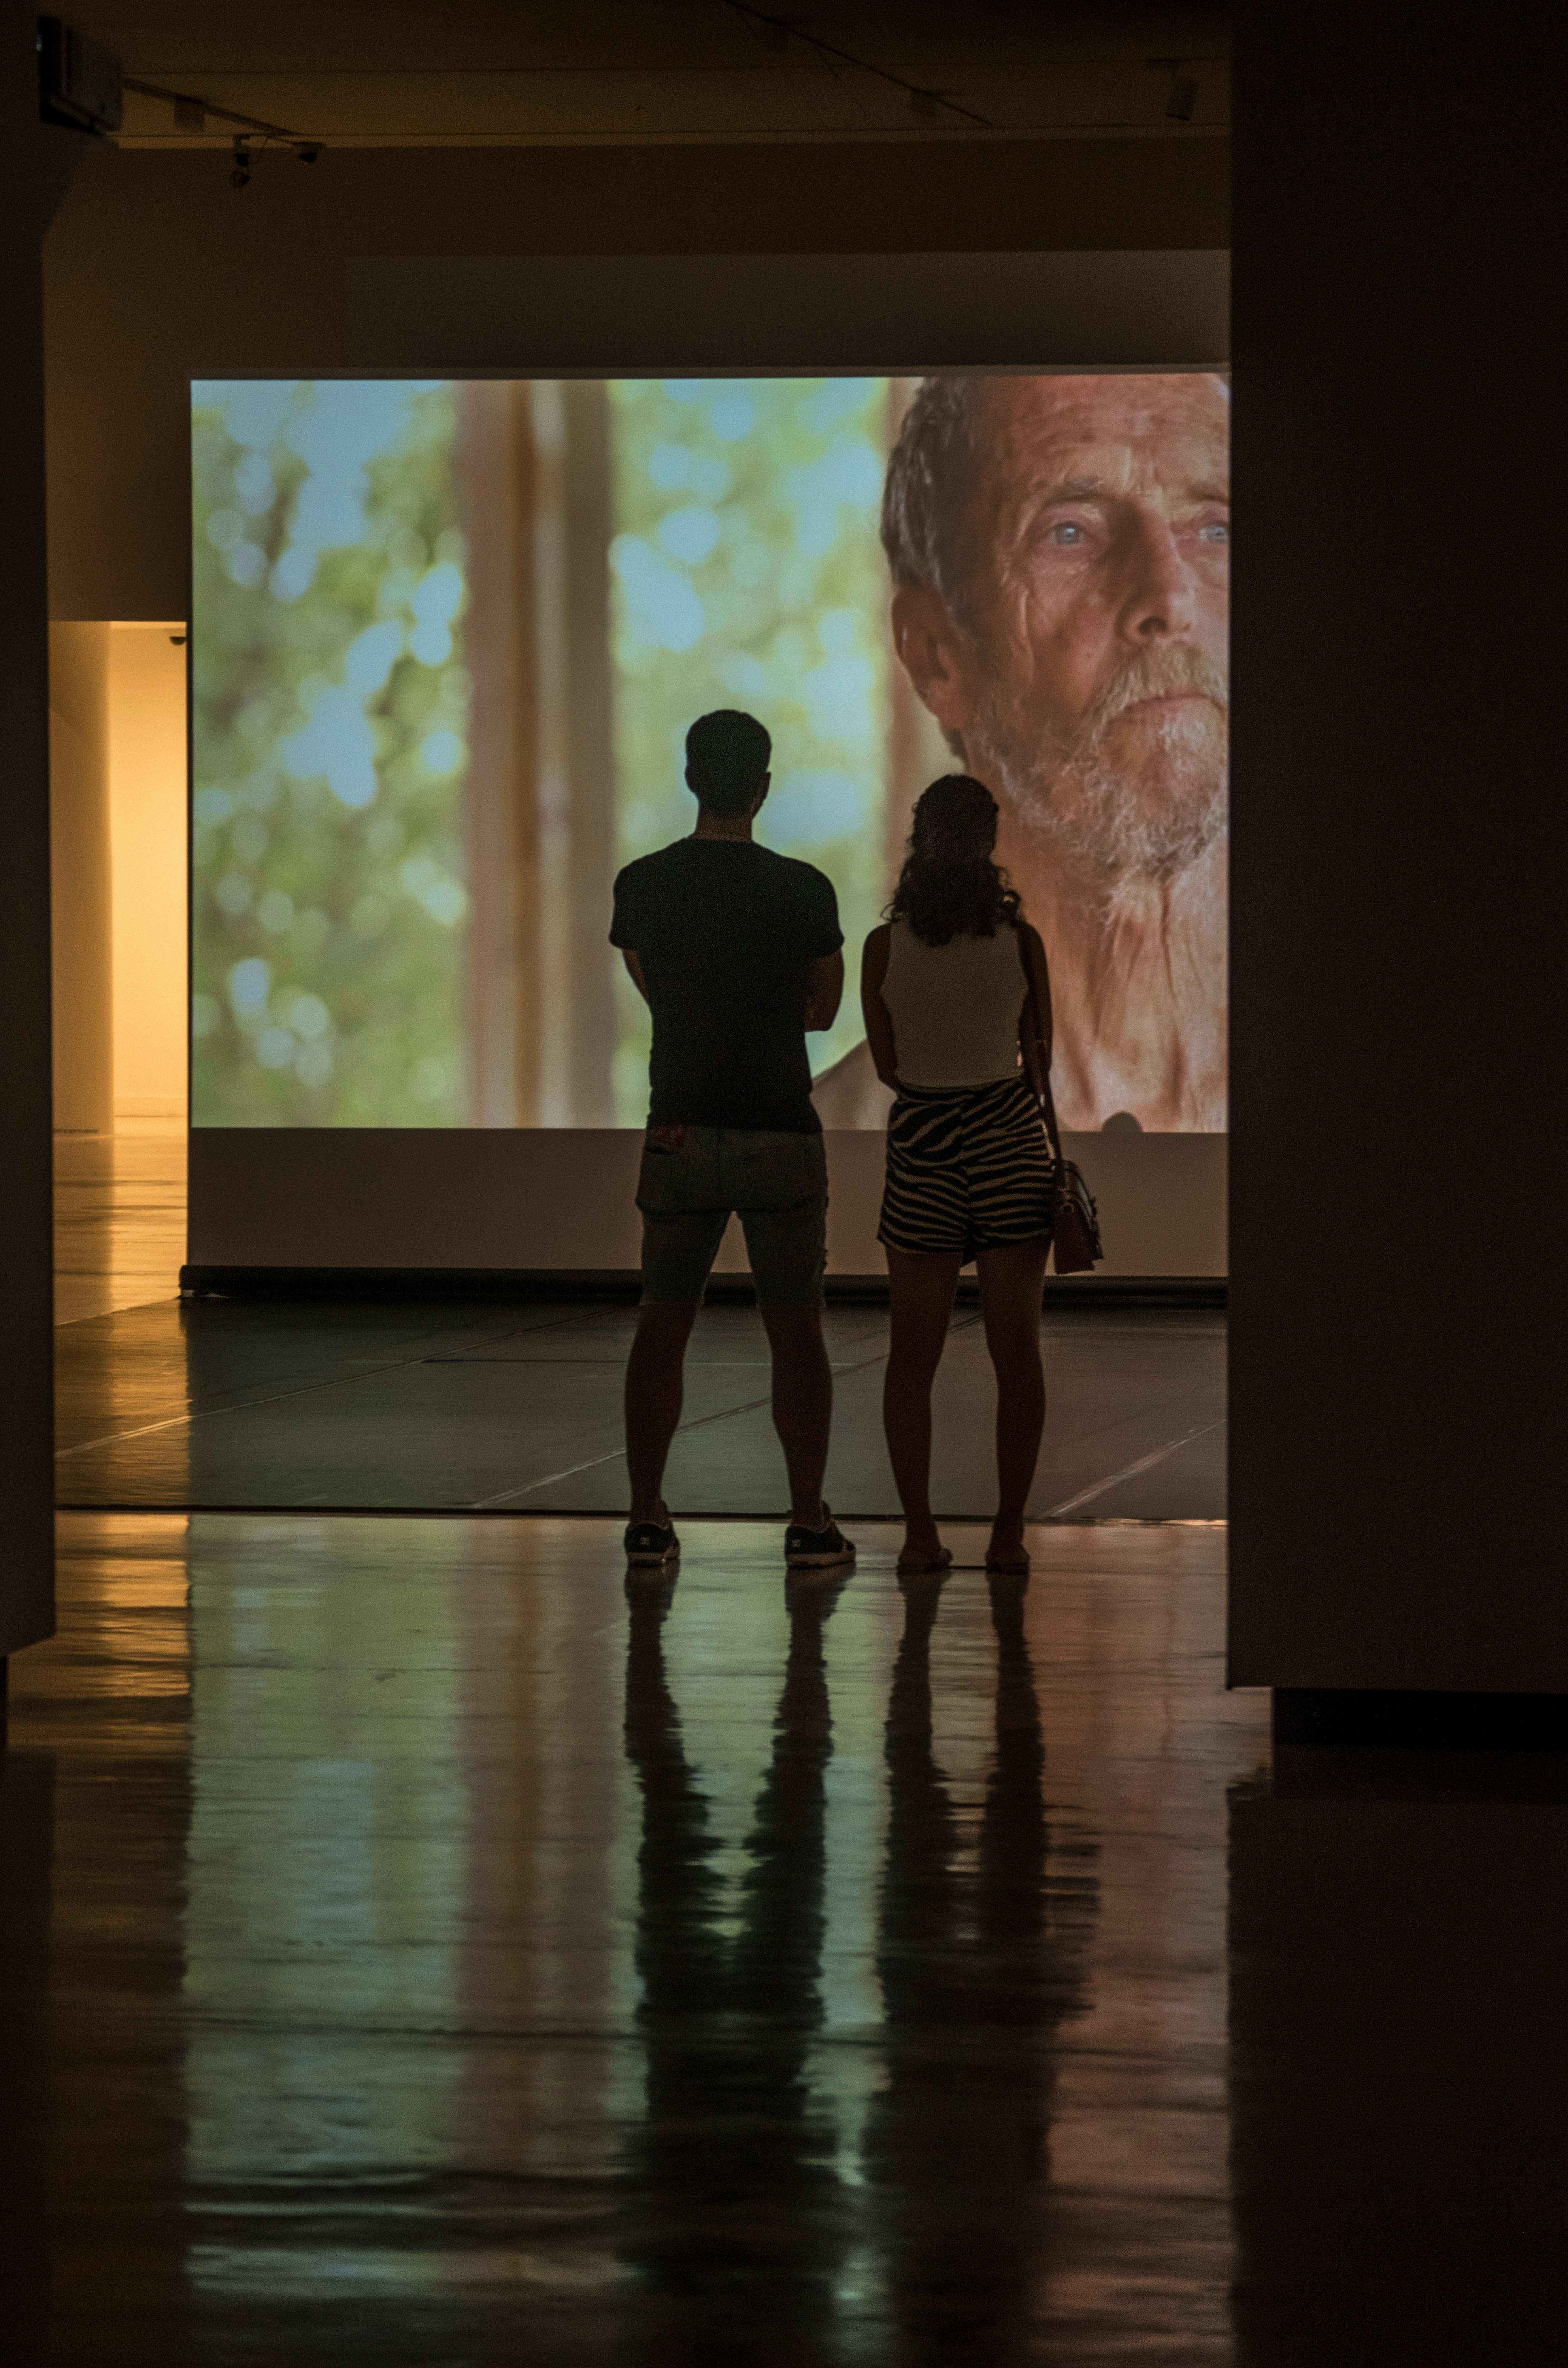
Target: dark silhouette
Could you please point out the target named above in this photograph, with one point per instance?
(746, 2239)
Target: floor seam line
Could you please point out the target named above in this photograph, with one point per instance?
(207, 1413)
(1053, 1512)
(505, 1495)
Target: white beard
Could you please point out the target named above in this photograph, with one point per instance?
(1127, 825)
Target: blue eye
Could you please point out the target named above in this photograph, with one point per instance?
(1217, 530)
(1066, 533)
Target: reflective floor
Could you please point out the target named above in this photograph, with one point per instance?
(119, 1217)
(423, 1946)
(486, 1406)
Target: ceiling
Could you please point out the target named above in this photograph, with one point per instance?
(510, 73)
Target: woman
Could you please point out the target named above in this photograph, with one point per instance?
(955, 993)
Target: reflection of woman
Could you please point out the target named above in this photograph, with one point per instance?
(955, 990)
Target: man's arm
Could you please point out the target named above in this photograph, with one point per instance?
(634, 969)
(878, 1020)
(824, 990)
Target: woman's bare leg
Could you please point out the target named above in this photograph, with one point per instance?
(920, 1306)
(1011, 1281)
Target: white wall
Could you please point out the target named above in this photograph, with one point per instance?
(147, 842)
(79, 878)
(562, 1198)
(553, 314)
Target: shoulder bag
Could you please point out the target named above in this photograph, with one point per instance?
(1075, 1224)
(1074, 1220)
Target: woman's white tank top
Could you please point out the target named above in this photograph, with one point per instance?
(955, 1008)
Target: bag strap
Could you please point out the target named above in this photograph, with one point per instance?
(1052, 1131)
(1046, 1097)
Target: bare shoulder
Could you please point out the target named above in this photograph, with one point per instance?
(875, 952)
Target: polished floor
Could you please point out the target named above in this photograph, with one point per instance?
(118, 1218)
(484, 1408)
(425, 1947)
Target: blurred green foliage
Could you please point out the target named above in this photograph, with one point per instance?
(331, 705)
(330, 710)
(746, 572)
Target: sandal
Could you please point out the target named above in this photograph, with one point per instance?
(925, 1566)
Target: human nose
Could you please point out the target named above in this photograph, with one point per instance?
(1160, 603)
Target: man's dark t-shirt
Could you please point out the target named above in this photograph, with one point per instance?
(726, 931)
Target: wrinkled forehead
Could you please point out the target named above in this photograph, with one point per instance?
(1145, 430)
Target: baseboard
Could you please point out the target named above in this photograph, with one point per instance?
(620, 1285)
(1348, 1715)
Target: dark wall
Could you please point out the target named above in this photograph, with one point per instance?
(35, 165)
(158, 268)
(1397, 1928)
(1399, 1256)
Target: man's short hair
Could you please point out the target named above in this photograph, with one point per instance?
(727, 754)
(930, 471)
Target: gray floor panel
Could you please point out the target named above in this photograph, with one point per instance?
(475, 1407)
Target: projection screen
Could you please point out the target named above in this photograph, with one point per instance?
(448, 635)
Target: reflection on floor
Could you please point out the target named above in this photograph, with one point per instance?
(118, 1218)
(510, 1408)
(460, 1954)
(424, 1946)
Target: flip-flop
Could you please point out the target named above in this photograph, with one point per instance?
(925, 1569)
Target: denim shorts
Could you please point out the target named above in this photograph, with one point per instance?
(693, 1177)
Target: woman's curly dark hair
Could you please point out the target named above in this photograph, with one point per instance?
(949, 887)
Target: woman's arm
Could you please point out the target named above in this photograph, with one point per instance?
(879, 1023)
(1034, 1029)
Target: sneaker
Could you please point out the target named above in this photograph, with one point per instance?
(820, 1549)
(651, 1544)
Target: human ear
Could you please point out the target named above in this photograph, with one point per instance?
(756, 802)
(933, 657)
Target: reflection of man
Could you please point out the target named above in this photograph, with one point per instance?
(732, 2155)
(1059, 550)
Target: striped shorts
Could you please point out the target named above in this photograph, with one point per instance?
(968, 1169)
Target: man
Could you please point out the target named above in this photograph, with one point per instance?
(737, 951)
(1059, 550)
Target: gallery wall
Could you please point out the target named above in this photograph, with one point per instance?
(1400, 1271)
(147, 804)
(157, 270)
(81, 896)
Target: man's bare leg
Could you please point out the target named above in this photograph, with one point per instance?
(802, 1406)
(654, 1390)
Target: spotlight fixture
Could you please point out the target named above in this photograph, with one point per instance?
(1182, 98)
(239, 177)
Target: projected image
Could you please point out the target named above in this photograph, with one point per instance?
(447, 638)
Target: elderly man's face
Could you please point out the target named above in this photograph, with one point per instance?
(1086, 672)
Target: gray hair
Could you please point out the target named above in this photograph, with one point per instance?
(928, 472)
